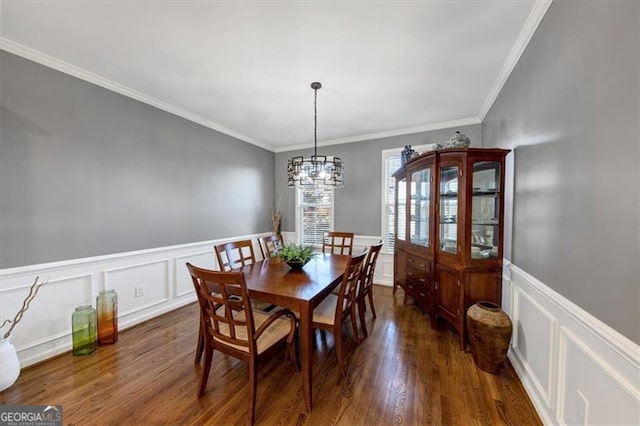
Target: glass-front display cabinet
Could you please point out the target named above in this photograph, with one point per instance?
(449, 223)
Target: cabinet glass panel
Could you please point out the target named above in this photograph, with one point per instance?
(420, 200)
(401, 219)
(448, 217)
(485, 210)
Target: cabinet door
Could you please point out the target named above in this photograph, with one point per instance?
(401, 209)
(448, 292)
(485, 235)
(448, 216)
(420, 206)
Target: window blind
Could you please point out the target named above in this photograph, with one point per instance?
(315, 214)
(391, 164)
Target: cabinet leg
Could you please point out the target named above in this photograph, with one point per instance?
(463, 345)
(433, 319)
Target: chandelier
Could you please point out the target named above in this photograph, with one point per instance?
(320, 171)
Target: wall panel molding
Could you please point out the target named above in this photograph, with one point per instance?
(45, 330)
(589, 366)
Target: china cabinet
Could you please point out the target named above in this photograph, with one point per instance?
(449, 231)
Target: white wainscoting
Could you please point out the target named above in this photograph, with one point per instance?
(384, 266)
(45, 329)
(576, 369)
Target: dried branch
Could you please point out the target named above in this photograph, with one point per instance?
(276, 217)
(33, 290)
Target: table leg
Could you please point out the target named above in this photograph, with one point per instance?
(306, 334)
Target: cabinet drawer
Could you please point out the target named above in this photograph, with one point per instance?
(417, 262)
(418, 279)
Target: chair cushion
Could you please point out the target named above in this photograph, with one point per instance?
(325, 312)
(276, 331)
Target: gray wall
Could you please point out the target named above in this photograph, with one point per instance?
(570, 110)
(358, 205)
(85, 171)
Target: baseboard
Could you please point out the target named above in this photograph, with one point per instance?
(575, 368)
(45, 329)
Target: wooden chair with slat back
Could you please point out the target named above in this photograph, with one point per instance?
(366, 284)
(270, 245)
(235, 255)
(232, 327)
(335, 242)
(334, 310)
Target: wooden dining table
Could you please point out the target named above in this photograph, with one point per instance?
(273, 281)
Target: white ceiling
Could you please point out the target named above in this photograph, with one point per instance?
(245, 68)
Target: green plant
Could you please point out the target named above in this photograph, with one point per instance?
(296, 253)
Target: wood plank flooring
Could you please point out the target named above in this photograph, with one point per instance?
(403, 373)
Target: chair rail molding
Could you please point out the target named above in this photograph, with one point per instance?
(574, 367)
(149, 283)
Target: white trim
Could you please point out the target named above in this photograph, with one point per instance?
(545, 392)
(623, 345)
(389, 133)
(8, 272)
(36, 343)
(531, 25)
(609, 365)
(70, 69)
(175, 271)
(67, 68)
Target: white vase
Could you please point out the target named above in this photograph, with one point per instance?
(9, 364)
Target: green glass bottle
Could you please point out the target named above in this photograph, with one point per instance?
(83, 324)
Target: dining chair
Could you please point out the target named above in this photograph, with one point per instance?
(270, 245)
(365, 288)
(235, 254)
(334, 310)
(232, 255)
(233, 328)
(335, 242)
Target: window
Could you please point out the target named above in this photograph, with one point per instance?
(314, 214)
(391, 163)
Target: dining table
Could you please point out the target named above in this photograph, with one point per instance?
(301, 290)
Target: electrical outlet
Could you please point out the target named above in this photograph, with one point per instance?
(583, 407)
(139, 290)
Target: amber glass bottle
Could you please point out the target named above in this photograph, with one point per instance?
(107, 304)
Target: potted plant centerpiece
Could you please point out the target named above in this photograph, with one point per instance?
(296, 256)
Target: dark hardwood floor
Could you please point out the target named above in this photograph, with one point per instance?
(403, 373)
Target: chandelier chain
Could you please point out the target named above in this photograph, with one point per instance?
(315, 121)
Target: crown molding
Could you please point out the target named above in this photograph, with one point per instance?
(67, 68)
(538, 11)
(386, 134)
